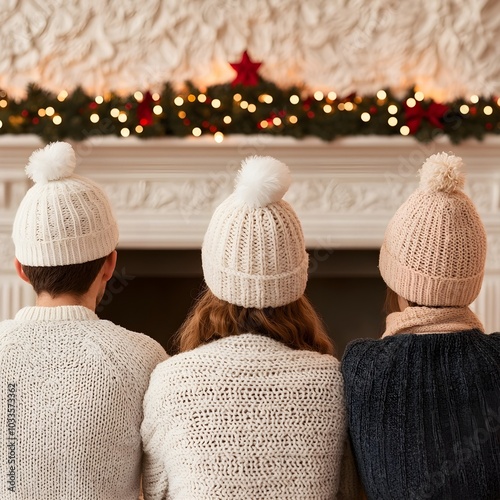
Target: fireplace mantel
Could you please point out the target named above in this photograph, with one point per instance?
(164, 191)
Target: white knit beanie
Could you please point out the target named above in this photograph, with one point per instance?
(64, 218)
(434, 250)
(253, 253)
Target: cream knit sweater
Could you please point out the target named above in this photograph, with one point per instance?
(247, 418)
(71, 389)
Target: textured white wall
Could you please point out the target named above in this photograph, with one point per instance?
(447, 47)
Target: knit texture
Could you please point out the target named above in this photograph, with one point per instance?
(424, 415)
(62, 221)
(434, 250)
(72, 388)
(253, 255)
(244, 417)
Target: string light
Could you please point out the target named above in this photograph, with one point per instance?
(327, 108)
(381, 94)
(196, 131)
(498, 101)
(252, 108)
(332, 96)
(294, 99)
(237, 97)
(243, 104)
(114, 112)
(277, 121)
(57, 120)
(139, 129)
(94, 118)
(318, 95)
(266, 98)
(191, 98)
(348, 106)
(3, 103)
(41, 113)
(202, 98)
(393, 109)
(216, 103)
(404, 130)
(410, 102)
(125, 132)
(218, 137)
(50, 111)
(157, 110)
(227, 119)
(1, 124)
(138, 96)
(178, 101)
(419, 96)
(122, 117)
(181, 115)
(366, 117)
(62, 96)
(488, 110)
(341, 106)
(264, 124)
(464, 109)
(156, 96)
(392, 121)
(99, 99)
(474, 99)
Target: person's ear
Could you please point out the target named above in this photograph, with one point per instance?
(20, 271)
(109, 266)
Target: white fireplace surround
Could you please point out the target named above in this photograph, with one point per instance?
(164, 191)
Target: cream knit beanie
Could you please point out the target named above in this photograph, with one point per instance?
(434, 249)
(253, 253)
(64, 218)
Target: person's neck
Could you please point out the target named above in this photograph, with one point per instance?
(45, 300)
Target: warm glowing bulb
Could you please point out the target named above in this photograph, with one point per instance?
(243, 104)
(156, 96)
(327, 108)
(332, 95)
(62, 96)
(178, 101)
(99, 99)
(341, 106)
(381, 94)
(157, 110)
(125, 132)
(3, 103)
(410, 102)
(218, 137)
(1, 124)
(139, 129)
(50, 111)
(252, 108)
(318, 95)
(474, 99)
(216, 103)
(264, 124)
(237, 97)
(392, 121)
(181, 115)
(293, 119)
(138, 96)
(488, 110)
(366, 117)
(464, 109)
(57, 120)
(227, 119)
(122, 117)
(393, 109)
(41, 112)
(202, 98)
(196, 131)
(94, 117)
(294, 99)
(191, 98)
(348, 106)
(419, 96)
(114, 112)
(404, 130)
(277, 121)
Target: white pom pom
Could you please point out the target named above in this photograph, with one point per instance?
(262, 180)
(442, 172)
(51, 163)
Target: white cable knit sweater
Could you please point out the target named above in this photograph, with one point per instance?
(71, 405)
(247, 418)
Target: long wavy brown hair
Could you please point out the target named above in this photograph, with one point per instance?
(297, 325)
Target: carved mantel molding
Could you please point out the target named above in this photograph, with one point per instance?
(164, 190)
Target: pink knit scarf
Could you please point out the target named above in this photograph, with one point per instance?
(432, 320)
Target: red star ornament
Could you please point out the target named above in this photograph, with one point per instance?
(246, 71)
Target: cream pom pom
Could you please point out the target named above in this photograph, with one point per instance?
(51, 163)
(262, 180)
(442, 172)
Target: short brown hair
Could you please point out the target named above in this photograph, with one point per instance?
(74, 279)
(297, 325)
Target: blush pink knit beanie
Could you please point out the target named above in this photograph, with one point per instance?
(434, 249)
(64, 218)
(253, 253)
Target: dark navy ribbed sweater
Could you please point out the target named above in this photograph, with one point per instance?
(424, 415)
